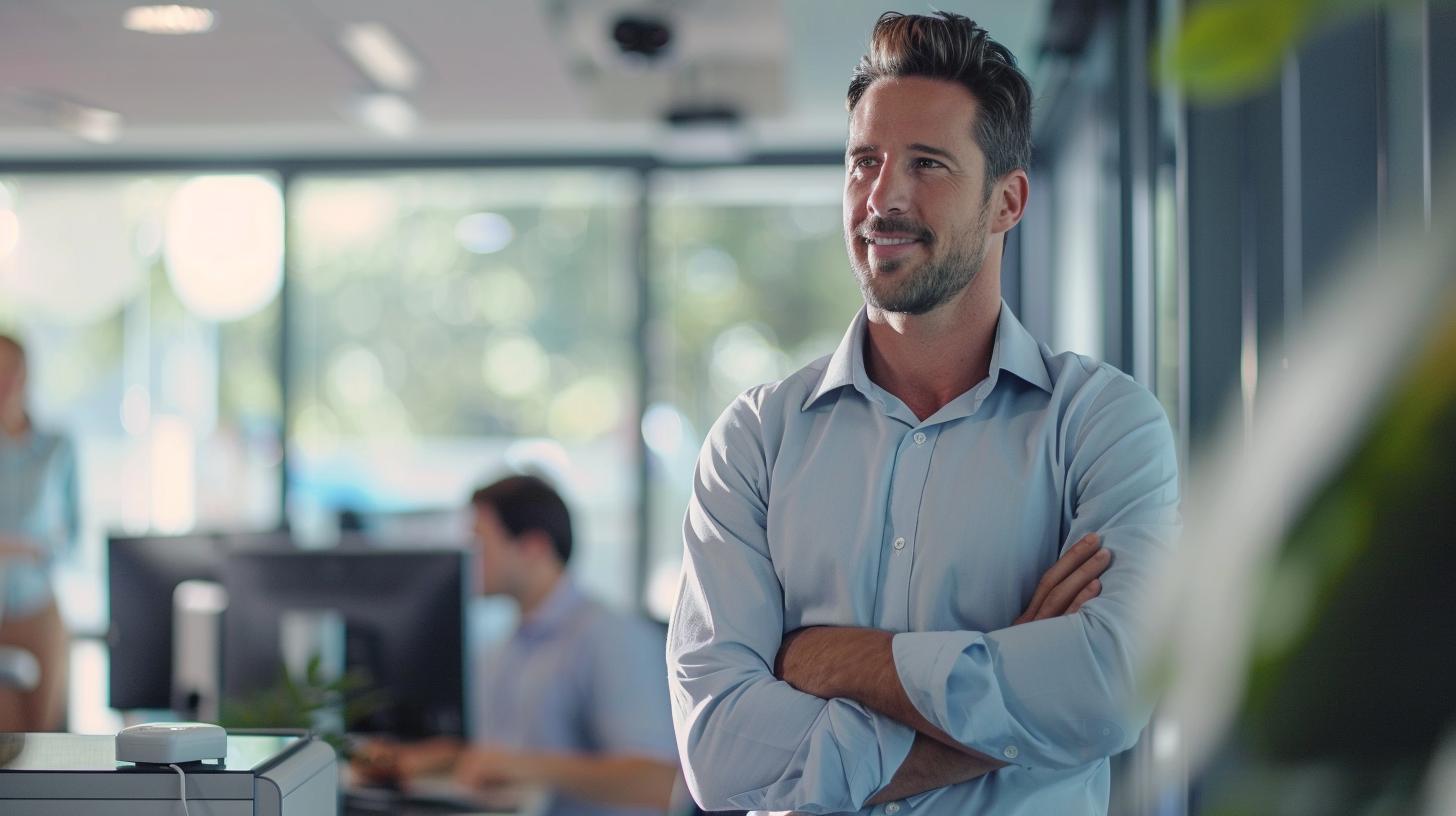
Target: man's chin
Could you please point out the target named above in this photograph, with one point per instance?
(897, 303)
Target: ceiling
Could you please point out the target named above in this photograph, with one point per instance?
(271, 79)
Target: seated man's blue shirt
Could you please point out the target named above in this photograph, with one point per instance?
(579, 678)
(822, 500)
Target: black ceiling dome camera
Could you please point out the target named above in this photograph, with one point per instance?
(642, 35)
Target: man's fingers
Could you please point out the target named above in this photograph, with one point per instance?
(1093, 590)
(377, 761)
(1060, 599)
(1075, 556)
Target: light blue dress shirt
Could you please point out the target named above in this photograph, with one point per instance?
(822, 500)
(580, 678)
(37, 502)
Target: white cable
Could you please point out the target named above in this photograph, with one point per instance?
(182, 789)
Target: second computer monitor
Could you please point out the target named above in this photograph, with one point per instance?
(142, 574)
(403, 619)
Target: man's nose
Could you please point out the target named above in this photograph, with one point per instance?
(890, 194)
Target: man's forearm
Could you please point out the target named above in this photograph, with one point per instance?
(930, 765)
(857, 664)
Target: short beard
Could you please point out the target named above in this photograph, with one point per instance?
(931, 286)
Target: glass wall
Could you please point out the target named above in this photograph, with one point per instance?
(435, 329)
(149, 305)
(750, 284)
(445, 327)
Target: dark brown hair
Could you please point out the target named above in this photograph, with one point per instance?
(524, 503)
(952, 47)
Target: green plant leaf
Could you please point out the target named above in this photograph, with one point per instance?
(1229, 47)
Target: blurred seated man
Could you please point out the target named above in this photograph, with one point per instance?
(575, 700)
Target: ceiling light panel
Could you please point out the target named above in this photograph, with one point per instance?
(168, 19)
(381, 56)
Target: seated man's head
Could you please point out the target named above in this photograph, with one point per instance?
(522, 537)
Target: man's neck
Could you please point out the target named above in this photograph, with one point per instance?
(535, 594)
(928, 360)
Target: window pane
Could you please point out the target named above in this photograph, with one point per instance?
(149, 307)
(449, 326)
(752, 283)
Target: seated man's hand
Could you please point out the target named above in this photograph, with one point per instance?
(491, 768)
(391, 763)
(1071, 581)
(377, 762)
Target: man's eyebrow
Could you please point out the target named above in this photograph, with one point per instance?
(934, 151)
(918, 147)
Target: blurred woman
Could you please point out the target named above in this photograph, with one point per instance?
(38, 512)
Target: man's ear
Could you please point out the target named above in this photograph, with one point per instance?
(1008, 201)
(536, 543)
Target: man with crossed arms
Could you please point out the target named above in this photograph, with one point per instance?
(891, 597)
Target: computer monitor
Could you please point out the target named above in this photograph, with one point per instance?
(142, 574)
(403, 614)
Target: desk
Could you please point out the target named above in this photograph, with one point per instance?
(437, 796)
(262, 775)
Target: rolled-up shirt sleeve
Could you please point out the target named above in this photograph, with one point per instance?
(1062, 692)
(746, 739)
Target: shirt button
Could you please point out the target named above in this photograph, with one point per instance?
(899, 544)
(919, 438)
(892, 808)
(1010, 752)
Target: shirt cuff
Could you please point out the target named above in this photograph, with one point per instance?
(930, 663)
(877, 767)
(851, 753)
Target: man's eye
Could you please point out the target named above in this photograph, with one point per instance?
(866, 162)
(927, 163)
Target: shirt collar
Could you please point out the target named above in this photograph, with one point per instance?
(1017, 352)
(557, 609)
(1014, 351)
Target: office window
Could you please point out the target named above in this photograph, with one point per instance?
(446, 327)
(149, 307)
(751, 283)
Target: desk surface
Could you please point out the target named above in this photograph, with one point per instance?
(436, 795)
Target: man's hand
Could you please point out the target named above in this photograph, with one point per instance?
(616, 780)
(1071, 581)
(377, 762)
(391, 763)
(491, 768)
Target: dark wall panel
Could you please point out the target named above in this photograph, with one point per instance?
(1339, 126)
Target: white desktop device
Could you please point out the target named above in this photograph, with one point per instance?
(167, 743)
